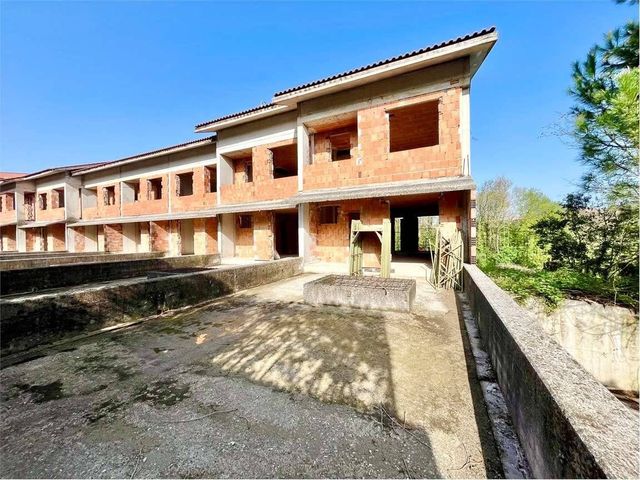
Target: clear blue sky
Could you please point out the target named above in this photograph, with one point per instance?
(83, 82)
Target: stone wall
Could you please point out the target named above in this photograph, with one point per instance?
(569, 425)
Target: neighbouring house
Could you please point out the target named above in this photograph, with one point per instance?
(390, 140)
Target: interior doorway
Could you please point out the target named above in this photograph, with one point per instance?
(286, 233)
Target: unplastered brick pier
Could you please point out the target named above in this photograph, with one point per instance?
(362, 292)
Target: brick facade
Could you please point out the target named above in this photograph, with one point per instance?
(8, 238)
(205, 236)
(56, 237)
(113, 238)
(371, 160)
(159, 236)
(264, 186)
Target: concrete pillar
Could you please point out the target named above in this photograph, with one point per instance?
(21, 240)
(227, 235)
(304, 236)
(465, 131)
(302, 139)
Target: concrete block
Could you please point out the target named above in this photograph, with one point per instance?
(361, 292)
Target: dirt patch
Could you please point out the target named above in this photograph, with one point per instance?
(254, 385)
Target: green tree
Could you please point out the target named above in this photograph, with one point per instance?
(494, 212)
(605, 87)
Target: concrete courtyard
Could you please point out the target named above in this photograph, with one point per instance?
(256, 384)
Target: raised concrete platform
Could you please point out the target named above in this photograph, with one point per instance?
(362, 292)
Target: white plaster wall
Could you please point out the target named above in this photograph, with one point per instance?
(153, 167)
(269, 130)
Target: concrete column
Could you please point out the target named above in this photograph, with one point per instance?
(465, 131)
(227, 235)
(21, 240)
(302, 138)
(224, 174)
(304, 238)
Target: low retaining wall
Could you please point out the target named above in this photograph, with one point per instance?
(56, 276)
(35, 319)
(44, 259)
(569, 424)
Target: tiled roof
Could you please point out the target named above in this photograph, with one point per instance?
(238, 114)
(390, 60)
(210, 139)
(347, 73)
(51, 171)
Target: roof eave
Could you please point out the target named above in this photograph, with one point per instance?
(159, 153)
(477, 48)
(249, 117)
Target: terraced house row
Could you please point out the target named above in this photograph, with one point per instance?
(390, 140)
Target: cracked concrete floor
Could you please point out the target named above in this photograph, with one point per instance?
(257, 384)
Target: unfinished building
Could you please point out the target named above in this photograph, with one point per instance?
(390, 140)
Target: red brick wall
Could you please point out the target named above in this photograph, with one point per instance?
(264, 186)
(30, 243)
(144, 206)
(56, 234)
(53, 212)
(330, 242)
(8, 235)
(205, 236)
(78, 239)
(244, 240)
(107, 211)
(377, 164)
(263, 235)
(113, 237)
(159, 236)
(451, 208)
(200, 200)
(8, 213)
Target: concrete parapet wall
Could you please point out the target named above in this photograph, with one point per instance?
(569, 424)
(34, 279)
(49, 259)
(35, 319)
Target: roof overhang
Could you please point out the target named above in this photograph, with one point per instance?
(44, 223)
(145, 218)
(249, 116)
(392, 189)
(145, 156)
(8, 224)
(475, 48)
(256, 206)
